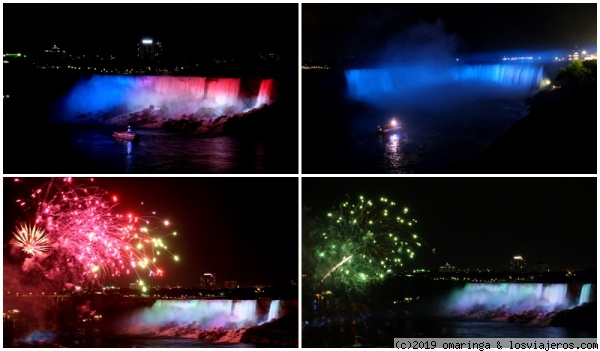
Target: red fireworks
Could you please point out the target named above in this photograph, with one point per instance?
(77, 229)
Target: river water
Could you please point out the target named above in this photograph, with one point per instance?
(370, 333)
(439, 134)
(76, 150)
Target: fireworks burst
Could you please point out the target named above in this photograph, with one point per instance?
(84, 239)
(31, 240)
(364, 242)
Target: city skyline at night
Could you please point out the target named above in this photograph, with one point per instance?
(367, 31)
(185, 30)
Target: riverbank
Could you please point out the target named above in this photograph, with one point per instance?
(558, 136)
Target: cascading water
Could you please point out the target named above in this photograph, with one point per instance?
(364, 82)
(206, 314)
(586, 294)
(511, 75)
(274, 310)
(264, 93)
(224, 91)
(513, 297)
(433, 83)
(245, 311)
(177, 95)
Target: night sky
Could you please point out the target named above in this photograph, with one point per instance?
(205, 30)
(345, 30)
(243, 229)
(479, 223)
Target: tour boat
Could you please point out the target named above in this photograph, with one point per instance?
(392, 127)
(126, 135)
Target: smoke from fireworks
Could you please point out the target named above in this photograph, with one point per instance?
(77, 236)
(363, 242)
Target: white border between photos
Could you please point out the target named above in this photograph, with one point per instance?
(300, 175)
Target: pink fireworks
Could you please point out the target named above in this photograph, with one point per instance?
(78, 235)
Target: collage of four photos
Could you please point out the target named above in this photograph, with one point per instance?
(298, 175)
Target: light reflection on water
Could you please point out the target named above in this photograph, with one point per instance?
(162, 152)
(157, 151)
(393, 153)
(431, 141)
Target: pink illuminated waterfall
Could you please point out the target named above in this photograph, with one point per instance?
(223, 91)
(264, 93)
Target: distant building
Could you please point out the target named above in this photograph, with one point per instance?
(447, 268)
(582, 55)
(230, 284)
(55, 53)
(135, 286)
(517, 264)
(208, 281)
(149, 52)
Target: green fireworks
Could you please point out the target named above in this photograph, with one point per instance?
(364, 242)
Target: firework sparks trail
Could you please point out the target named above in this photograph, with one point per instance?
(364, 242)
(78, 235)
(31, 240)
(346, 259)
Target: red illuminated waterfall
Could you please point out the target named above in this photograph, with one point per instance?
(264, 94)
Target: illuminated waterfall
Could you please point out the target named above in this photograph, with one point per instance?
(264, 93)
(512, 75)
(274, 310)
(586, 294)
(245, 311)
(207, 314)
(513, 297)
(364, 82)
(223, 91)
(415, 80)
(174, 95)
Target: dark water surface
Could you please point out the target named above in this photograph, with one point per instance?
(369, 334)
(127, 342)
(339, 134)
(154, 342)
(431, 141)
(76, 150)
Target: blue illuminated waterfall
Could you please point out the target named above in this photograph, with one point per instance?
(433, 83)
(520, 76)
(363, 82)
